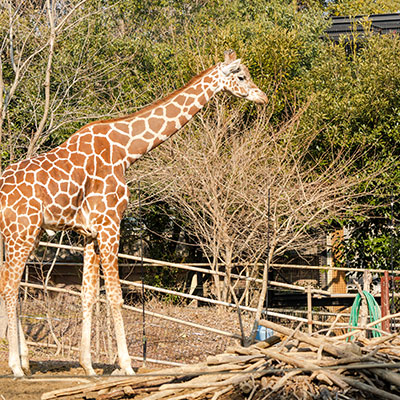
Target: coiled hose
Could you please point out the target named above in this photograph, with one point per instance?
(374, 312)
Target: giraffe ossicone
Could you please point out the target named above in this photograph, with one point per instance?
(80, 186)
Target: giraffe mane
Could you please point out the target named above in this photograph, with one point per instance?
(154, 104)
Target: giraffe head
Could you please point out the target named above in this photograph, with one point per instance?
(236, 79)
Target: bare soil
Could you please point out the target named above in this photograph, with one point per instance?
(46, 376)
(57, 367)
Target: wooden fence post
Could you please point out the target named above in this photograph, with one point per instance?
(385, 300)
(309, 310)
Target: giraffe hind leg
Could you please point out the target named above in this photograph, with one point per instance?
(108, 246)
(20, 238)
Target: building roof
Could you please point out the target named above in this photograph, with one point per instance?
(380, 23)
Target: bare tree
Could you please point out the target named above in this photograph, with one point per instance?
(53, 72)
(30, 32)
(219, 173)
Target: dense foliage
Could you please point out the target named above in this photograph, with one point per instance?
(113, 57)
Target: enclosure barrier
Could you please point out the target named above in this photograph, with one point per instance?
(192, 267)
(196, 268)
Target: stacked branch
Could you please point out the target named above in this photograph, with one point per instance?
(291, 364)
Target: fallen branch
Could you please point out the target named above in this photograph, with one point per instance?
(315, 363)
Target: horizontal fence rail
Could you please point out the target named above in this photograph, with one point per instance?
(194, 268)
(197, 266)
(202, 268)
(153, 262)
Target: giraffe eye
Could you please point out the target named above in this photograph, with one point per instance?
(241, 78)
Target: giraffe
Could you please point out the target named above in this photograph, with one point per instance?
(80, 186)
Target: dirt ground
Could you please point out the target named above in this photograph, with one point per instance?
(46, 376)
(53, 375)
(55, 365)
(166, 341)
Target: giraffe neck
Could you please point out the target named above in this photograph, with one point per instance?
(151, 126)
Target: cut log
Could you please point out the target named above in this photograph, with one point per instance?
(305, 365)
(389, 376)
(231, 359)
(313, 341)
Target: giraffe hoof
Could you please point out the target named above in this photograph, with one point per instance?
(91, 373)
(25, 366)
(117, 372)
(128, 371)
(123, 371)
(18, 373)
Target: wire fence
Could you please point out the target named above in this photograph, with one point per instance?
(174, 335)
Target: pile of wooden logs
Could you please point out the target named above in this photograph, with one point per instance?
(290, 365)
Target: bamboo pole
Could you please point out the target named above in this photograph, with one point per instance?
(323, 267)
(193, 267)
(207, 300)
(198, 266)
(212, 301)
(270, 313)
(151, 262)
(322, 313)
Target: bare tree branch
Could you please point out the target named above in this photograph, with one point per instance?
(50, 6)
(219, 175)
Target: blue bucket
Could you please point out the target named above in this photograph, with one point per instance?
(263, 333)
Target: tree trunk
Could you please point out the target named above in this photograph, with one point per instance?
(263, 293)
(217, 282)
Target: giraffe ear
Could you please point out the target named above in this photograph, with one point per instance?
(230, 56)
(231, 67)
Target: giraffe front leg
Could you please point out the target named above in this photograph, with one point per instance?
(108, 245)
(22, 346)
(18, 244)
(18, 350)
(90, 283)
(14, 360)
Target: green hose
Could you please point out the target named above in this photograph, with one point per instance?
(374, 312)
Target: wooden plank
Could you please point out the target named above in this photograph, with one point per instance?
(385, 301)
